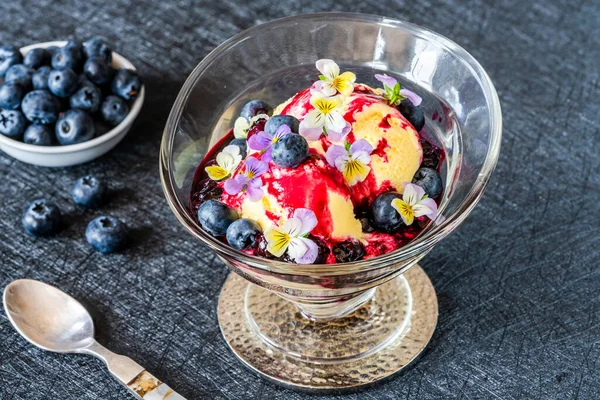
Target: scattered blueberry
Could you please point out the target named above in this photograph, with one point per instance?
(114, 110)
(290, 151)
(40, 78)
(97, 47)
(255, 107)
(51, 50)
(20, 73)
(84, 81)
(242, 145)
(348, 250)
(87, 98)
(89, 192)
(69, 56)
(63, 82)
(35, 58)
(40, 107)
(385, 216)
(41, 218)
(40, 135)
(9, 56)
(127, 84)
(11, 95)
(215, 217)
(106, 234)
(98, 70)
(277, 120)
(12, 123)
(430, 181)
(414, 114)
(243, 234)
(74, 126)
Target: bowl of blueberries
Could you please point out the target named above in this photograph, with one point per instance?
(65, 103)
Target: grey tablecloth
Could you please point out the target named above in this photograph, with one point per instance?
(518, 283)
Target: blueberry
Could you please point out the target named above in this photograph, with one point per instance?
(126, 84)
(87, 98)
(242, 145)
(12, 123)
(385, 216)
(63, 82)
(114, 110)
(98, 70)
(69, 56)
(323, 250)
(290, 151)
(106, 234)
(40, 107)
(215, 217)
(40, 135)
(89, 192)
(414, 114)
(255, 107)
(11, 95)
(348, 250)
(9, 56)
(430, 181)
(74, 126)
(35, 58)
(97, 47)
(20, 73)
(277, 120)
(243, 234)
(51, 50)
(41, 218)
(84, 81)
(40, 78)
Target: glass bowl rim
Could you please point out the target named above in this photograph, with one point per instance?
(420, 245)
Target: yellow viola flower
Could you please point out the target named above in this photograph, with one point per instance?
(351, 160)
(332, 81)
(414, 203)
(227, 161)
(325, 118)
(292, 237)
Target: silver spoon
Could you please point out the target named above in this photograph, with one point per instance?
(52, 320)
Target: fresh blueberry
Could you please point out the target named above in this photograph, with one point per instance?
(385, 216)
(11, 95)
(414, 114)
(126, 84)
(430, 181)
(106, 234)
(40, 78)
(89, 192)
(63, 82)
(241, 144)
(97, 47)
(74, 126)
(20, 73)
(84, 81)
(9, 56)
(41, 218)
(12, 123)
(98, 70)
(290, 151)
(114, 110)
(51, 50)
(215, 217)
(68, 57)
(87, 98)
(323, 250)
(35, 58)
(255, 107)
(243, 234)
(40, 135)
(277, 120)
(348, 250)
(40, 107)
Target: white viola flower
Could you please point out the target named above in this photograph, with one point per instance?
(292, 237)
(414, 203)
(325, 118)
(227, 161)
(241, 126)
(332, 81)
(352, 160)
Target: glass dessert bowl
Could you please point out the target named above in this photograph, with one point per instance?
(334, 326)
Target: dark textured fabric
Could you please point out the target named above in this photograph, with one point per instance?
(518, 282)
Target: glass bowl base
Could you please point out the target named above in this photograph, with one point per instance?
(271, 337)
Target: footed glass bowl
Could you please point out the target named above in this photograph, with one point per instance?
(332, 327)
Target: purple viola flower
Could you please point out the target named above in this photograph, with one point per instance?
(386, 80)
(351, 160)
(249, 180)
(394, 93)
(264, 142)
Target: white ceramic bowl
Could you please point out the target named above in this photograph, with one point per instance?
(62, 156)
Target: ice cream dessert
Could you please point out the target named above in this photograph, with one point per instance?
(336, 173)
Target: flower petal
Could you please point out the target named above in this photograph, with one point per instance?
(293, 226)
(314, 119)
(297, 248)
(216, 173)
(361, 145)
(426, 207)
(412, 193)
(267, 156)
(282, 131)
(362, 156)
(235, 185)
(278, 241)
(308, 219)
(335, 136)
(333, 153)
(327, 88)
(355, 171)
(405, 210)
(386, 80)
(253, 189)
(260, 141)
(240, 128)
(311, 253)
(345, 83)
(328, 68)
(414, 98)
(257, 166)
(335, 124)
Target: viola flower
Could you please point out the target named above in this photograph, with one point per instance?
(414, 203)
(325, 118)
(249, 181)
(227, 161)
(292, 237)
(241, 125)
(264, 142)
(351, 160)
(332, 81)
(394, 94)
